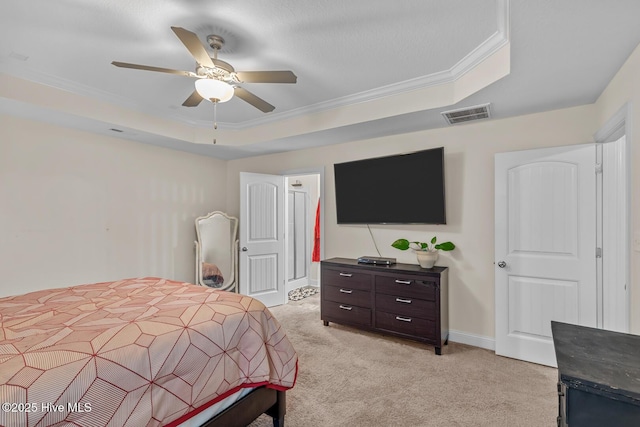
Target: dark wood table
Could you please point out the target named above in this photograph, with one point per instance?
(598, 376)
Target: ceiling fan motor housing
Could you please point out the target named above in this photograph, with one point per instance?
(216, 42)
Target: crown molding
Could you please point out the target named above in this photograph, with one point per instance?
(43, 78)
(474, 58)
(483, 51)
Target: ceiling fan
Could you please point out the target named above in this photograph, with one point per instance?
(217, 81)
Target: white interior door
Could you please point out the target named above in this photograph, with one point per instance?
(262, 274)
(545, 247)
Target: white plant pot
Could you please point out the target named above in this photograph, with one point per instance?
(426, 259)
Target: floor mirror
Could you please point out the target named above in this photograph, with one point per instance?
(217, 251)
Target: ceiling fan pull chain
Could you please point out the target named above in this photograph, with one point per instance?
(215, 118)
(215, 114)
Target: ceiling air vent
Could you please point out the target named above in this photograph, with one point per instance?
(467, 114)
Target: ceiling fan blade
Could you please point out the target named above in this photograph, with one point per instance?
(266, 76)
(150, 68)
(254, 100)
(193, 100)
(193, 44)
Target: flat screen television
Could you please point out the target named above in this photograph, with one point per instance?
(399, 189)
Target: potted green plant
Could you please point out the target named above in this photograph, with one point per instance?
(426, 252)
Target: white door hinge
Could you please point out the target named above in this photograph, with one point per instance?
(598, 167)
(598, 252)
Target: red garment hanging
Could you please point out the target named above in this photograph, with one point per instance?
(315, 256)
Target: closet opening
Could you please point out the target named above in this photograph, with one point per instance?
(303, 238)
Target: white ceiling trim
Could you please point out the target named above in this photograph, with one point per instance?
(473, 59)
(487, 48)
(42, 78)
(481, 53)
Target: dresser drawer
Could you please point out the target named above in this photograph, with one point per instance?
(348, 279)
(406, 306)
(414, 326)
(347, 295)
(340, 312)
(407, 287)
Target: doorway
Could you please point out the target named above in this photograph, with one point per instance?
(614, 156)
(562, 243)
(265, 239)
(302, 242)
(545, 247)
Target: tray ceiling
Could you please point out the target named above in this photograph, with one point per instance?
(364, 68)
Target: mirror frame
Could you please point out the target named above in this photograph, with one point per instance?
(231, 285)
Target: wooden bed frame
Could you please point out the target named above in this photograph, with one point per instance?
(260, 401)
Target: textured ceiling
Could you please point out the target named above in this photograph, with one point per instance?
(345, 54)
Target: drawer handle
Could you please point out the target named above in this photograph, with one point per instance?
(346, 307)
(346, 274)
(346, 291)
(403, 282)
(406, 301)
(403, 319)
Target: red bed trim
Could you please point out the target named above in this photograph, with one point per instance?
(223, 396)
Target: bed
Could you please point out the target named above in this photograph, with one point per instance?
(141, 352)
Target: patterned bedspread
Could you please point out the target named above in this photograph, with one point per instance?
(137, 352)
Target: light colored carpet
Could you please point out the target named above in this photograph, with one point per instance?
(348, 377)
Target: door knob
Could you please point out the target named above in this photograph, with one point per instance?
(502, 264)
(244, 249)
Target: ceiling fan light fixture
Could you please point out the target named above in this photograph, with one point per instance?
(213, 89)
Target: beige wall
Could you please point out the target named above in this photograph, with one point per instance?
(469, 153)
(78, 208)
(625, 88)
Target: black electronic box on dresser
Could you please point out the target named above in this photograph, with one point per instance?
(399, 299)
(598, 376)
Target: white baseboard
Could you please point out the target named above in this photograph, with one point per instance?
(472, 339)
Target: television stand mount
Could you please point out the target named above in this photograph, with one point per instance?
(376, 260)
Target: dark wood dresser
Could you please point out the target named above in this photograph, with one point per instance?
(400, 299)
(598, 376)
